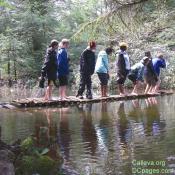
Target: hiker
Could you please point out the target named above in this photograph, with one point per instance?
(87, 66)
(123, 67)
(149, 75)
(63, 68)
(102, 69)
(136, 74)
(158, 63)
(50, 68)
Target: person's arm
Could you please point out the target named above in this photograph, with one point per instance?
(83, 61)
(105, 62)
(162, 63)
(140, 74)
(93, 64)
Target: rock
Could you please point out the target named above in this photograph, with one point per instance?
(9, 106)
(6, 155)
(6, 168)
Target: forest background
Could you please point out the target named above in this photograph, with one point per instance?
(27, 27)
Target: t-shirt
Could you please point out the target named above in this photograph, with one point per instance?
(63, 65)
(157, 64)
(102, 63)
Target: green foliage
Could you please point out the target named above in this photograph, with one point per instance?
(27, 144)
(42, 165)
(35, 159)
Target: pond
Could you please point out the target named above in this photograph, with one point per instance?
(129, 137)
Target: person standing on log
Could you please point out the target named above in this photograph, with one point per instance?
(102, 69)
(87, 67)
(136, 74)
(149, 75)
(50, 68)
(123, 67)
(158, 63)
(63, 68)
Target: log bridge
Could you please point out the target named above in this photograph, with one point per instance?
(72, 100)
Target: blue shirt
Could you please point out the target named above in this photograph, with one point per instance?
(102, 64)
(63, 65)
(138, 70)
(157, 64)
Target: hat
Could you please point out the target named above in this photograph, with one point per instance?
(53, 41)
(92, 44)
(144, 59)
(123, 44)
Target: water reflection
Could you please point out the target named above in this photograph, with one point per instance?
(100, 138)
(88, 131)
(154, 124)
(64, 134)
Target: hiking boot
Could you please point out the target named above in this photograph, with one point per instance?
(89, 96)
(80, 96)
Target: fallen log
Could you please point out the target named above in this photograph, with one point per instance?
(71, 101)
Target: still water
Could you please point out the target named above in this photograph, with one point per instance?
(131, 137)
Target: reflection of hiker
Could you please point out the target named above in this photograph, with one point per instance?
(104, 124)
(87, 66)
(158, 63)
(153, 123)
(123, 67)
(63, 68)
(50, 68)
(88, 130)
(136, 74)
(123, 124)
(102, 69)
(149, 74)
(64, 136)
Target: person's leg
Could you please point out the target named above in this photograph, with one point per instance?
(103, 77)
(48, 92)
(135, 89)
(81, 86)
(89, 86)
(156, 89)
(102, 90)
(105, 91)
(63, 87)
(63, 90)
(121, 89)
(121, 81)
(147, 88)
(150, 90)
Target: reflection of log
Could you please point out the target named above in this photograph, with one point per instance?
(39, 102)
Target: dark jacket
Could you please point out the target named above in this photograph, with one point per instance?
(149, 70)
(63, 62)
(121, 65)
(87, 62)
(50, 66)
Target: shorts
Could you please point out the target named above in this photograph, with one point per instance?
(52, 82)
(151, 81)
(63, 80)
(121, 78)
(103, 77)
(133, 78)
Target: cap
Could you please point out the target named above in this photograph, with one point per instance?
(53, 41)
(123, 44)
(144, 59)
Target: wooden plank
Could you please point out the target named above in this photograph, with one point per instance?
(72, 100)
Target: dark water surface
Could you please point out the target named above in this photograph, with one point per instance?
(131, 137)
